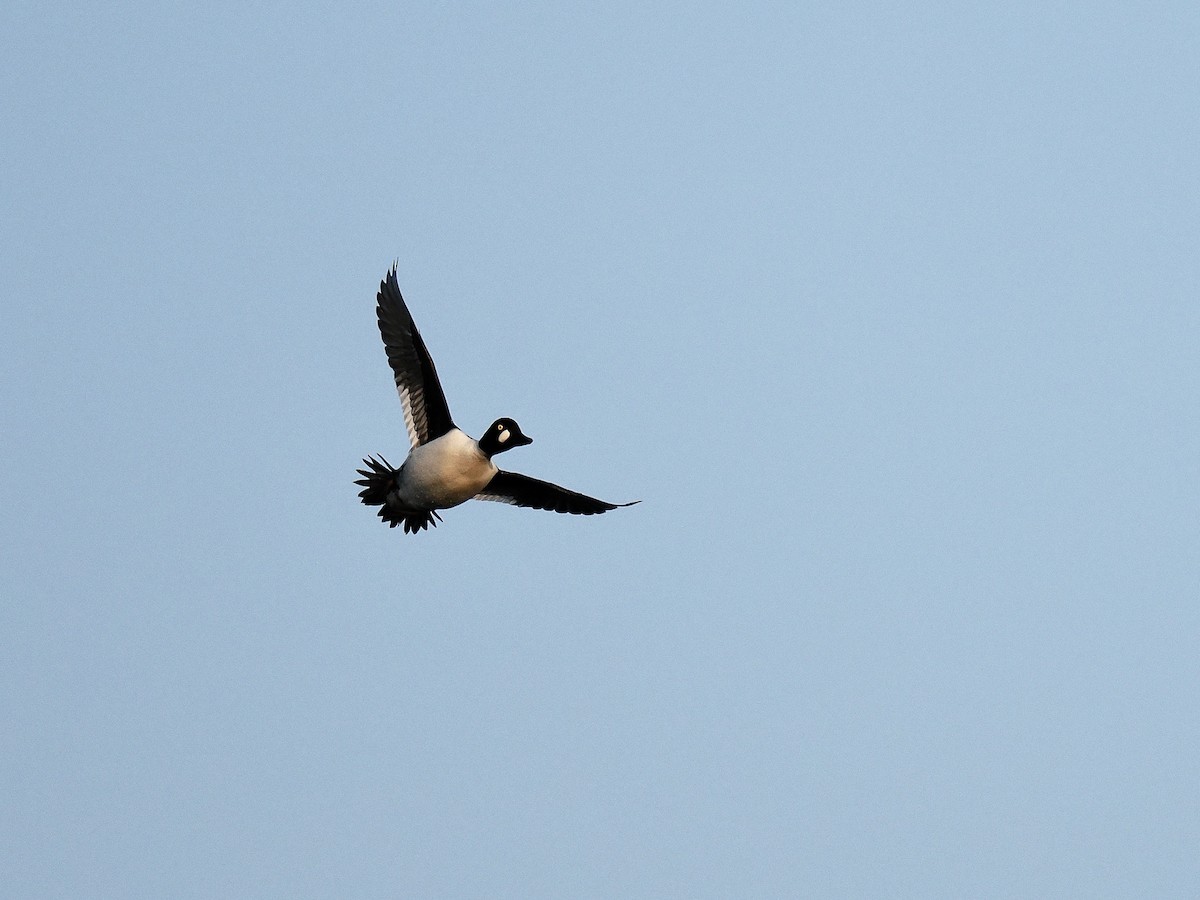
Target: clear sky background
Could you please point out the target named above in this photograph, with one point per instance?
(887, 312)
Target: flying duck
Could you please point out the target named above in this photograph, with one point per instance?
(445, 466)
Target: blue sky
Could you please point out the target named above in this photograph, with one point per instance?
(888, 314)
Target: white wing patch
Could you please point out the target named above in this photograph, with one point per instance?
(407, 406)
(496, 498)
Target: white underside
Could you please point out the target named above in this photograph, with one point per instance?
(444, 473)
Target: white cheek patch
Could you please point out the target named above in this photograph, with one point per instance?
(504, 435)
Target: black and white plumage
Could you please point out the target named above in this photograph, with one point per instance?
(445, 466)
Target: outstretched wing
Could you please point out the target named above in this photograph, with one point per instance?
(521, 490)
(426, 413)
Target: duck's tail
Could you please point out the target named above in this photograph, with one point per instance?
(378, 482)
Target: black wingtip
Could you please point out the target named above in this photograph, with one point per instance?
(604, 507)
(389, 284)
(609, 507)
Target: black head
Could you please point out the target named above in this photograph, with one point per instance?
(503, 434)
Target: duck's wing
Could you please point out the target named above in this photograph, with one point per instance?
(426, 413)
(521, 490)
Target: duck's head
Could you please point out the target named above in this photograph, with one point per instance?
(503, 434)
